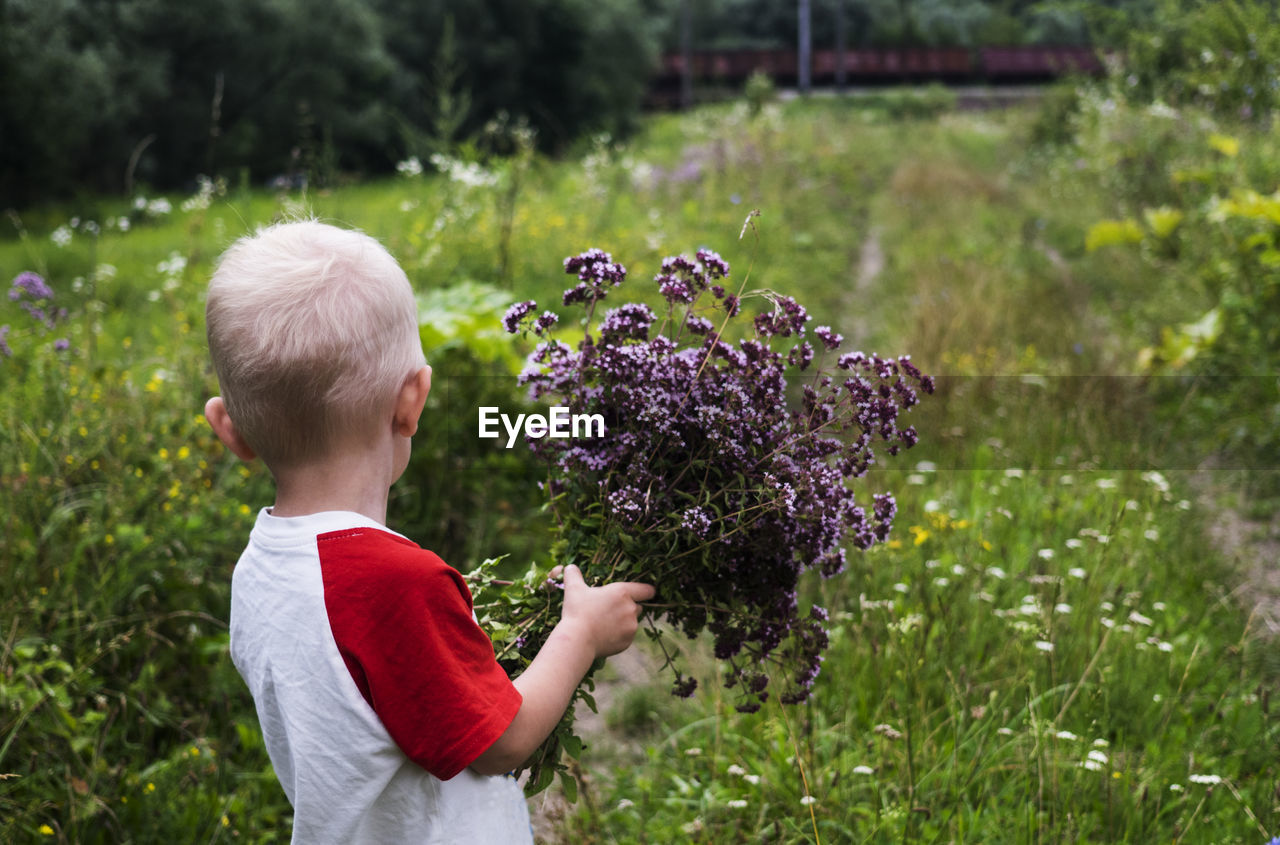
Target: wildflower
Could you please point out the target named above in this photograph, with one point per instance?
(1207, 780)
(411, 166)
(693, 752)
(1106, 483)
(863, 770)
(1175, 787)
(516, 314)
(735, 769)
(736, 803)
(45, 830)
(1045, 554)
(1138, 619)
(996, 572)
(1098, 756)
(625, 804)
(887, 731)
(1074, 543)
(4, 341)
(1062, 607)
(1044, 645)
(1151, 534)
(754, 780)
(1067, 735)
(829, 338)
(807, 800)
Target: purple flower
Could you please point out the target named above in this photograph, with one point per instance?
(713, 477)
(31, 284)
(4, 341)
(675, 289)
(713, 265)
(544, 323)
(829, 339)
(515, 315)
(699, 325)
(62, 344)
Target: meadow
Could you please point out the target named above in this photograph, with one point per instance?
(1057, 645)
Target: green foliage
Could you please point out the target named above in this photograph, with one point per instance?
(759, 91)
(103, 96)
(113, 660)
(1222, 56)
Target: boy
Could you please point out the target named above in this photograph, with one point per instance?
(385, 714)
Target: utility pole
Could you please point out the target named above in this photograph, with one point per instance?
(686, 54)
(804, 49)
(840, 74)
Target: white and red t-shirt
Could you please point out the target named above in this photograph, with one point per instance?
(374, 685)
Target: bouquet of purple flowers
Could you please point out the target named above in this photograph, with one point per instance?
(721, 473)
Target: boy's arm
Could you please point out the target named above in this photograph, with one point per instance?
(596, 622)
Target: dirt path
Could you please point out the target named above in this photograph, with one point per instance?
(1252, 546)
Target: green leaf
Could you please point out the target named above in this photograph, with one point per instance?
(570, 785)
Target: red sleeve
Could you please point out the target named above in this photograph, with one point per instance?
(402, 621)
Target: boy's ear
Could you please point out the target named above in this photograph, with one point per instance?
(215, 411)
(411, 401)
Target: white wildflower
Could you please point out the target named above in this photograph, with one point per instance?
(1076, 572)
(1044, 645)
(807, 800)
(411, 166)
(735, 769)
(1151, 534)
(1208, 780)
(1106, 483)
(61, 236)
(1138, 619)
(1068, 735)
(736, 803)
(1062, 607)
(625, 804)
(1045, 554)
(863, 770)
(1132, 505)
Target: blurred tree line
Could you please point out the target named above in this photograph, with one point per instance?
(105, 95)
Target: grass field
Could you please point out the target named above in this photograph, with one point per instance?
(1056, 646)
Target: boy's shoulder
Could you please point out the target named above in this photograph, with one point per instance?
(381, 560)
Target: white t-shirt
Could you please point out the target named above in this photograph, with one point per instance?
(374, 686)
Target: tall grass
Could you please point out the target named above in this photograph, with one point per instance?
(1042, 595)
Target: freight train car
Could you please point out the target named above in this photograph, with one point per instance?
(877, 66)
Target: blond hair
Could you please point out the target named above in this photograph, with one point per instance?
(312, 330)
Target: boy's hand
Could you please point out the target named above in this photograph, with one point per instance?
(608, 615)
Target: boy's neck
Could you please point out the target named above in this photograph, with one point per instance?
(356, 483)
